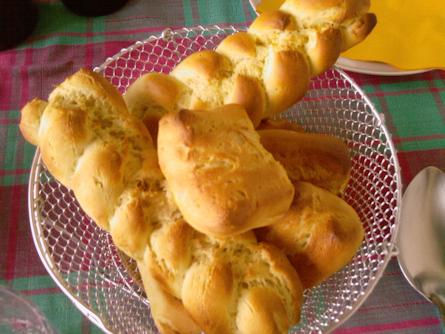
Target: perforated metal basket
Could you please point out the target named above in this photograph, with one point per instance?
(82, 260)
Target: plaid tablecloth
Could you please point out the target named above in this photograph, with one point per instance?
(414, 109)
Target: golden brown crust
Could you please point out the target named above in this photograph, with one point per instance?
(213, 291)
(90, 84)
(30, 120)
(238, 46)
(319, 159)
(310, 12)
(151, 96)
(261, 312)
(212, 162)
(205, 64)
(209, 293)
(249, 93)
(286, 79)
(203, 72)
(357, 30)
(98, 181)
(280, 266)
(320, 233)
(168, 312)
(274, 20)
(324, 49)
(62, 133)
(127, 226)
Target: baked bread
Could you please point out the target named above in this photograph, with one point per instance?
(91, 144)
(266, 69)
(319, 234)
(222, 179)
(319, 159)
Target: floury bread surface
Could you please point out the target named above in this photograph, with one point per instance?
(221, 177)
(266, 69)
(94, 146)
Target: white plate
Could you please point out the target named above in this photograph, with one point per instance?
(365, 67)
(369, 67)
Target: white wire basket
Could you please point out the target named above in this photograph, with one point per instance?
(85, 264)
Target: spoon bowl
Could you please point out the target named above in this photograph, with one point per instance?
(421, 238)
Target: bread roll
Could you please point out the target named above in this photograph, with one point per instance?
(222, 179)
(319, 234)
(266, 69)
(319, 159)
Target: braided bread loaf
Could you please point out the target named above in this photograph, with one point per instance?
(266, 69)
(93, 145)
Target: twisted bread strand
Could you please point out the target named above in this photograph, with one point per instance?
(266, 69)
(91, 144)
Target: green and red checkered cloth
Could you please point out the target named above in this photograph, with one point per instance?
(414, 109)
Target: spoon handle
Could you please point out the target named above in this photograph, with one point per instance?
(440, 303)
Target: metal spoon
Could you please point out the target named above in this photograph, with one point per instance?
(421, 238)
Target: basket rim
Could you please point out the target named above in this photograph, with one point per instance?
(391, 246)
(42, 249)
